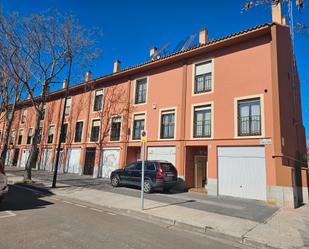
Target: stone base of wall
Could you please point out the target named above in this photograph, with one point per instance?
(284, 196)
(212, 187)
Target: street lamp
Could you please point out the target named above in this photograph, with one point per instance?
(62, 122)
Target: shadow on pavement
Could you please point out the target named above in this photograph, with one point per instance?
(21, 199)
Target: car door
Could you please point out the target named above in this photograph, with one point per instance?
(126, 176)
(136, 174)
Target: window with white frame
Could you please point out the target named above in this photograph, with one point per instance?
(51, 132)
(23, 116)
(68, 106)
(203, 77)
(30, 135)
(12, 137)
(40, 135)
(202, 121)
(98, 100)
(140, 91)
(115, 128)
(20, 136)
(138, 125)
(167, 124)
(63, 135)
(249, 117)
(78, 132)
(95, 130)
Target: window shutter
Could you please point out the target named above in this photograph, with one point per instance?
(203, 68)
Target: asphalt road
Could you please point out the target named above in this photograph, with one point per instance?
(31, 220)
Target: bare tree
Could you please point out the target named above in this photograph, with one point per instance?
(115, 103)
(43, 46)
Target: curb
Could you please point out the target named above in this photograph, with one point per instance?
(170, 223)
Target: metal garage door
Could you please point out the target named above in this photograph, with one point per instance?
(162, 153)
(242, 172)
(46, 163)
(73, 157)
(110, 161)
(24, 158)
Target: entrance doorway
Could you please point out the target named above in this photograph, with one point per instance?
(200, 164)
(15, 159)
(89, 161)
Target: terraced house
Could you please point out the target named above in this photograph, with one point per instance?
(226, 112)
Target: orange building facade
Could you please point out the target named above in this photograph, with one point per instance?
(226, 112)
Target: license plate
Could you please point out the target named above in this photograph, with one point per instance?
(169, 174)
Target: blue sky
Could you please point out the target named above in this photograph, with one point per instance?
(131, 28)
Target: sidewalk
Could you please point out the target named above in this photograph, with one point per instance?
(286, 228)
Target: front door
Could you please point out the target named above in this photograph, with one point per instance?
(89, 161)
(200, 163)
(15, 159)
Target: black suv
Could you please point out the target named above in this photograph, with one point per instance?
(158, 175)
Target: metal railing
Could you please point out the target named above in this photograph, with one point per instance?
(249, 125)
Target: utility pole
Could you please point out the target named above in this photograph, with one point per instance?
(62, 122)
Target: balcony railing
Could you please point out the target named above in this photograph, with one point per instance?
(202, 129)
(249, 125)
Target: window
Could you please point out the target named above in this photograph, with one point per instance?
(50, 137)
(12, 137)
(63, 135)
(167, 124)
(23, 116)
(30, 135)
(40, 135)
(20, 136)
(138, 126)
(150, 166)
(249, 117)
(43, 112)
(98, 99)
(202, 122)
(115, 129)
(68, 106)
(203, 77)
(95, 130)
(140, 91)
(78, 132)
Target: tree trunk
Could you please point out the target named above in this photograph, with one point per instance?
(5, 142)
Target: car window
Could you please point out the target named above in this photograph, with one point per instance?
(150, 166)
(167, 166)
(131, 166)
(138, 166)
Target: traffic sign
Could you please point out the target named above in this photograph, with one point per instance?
(144, 136)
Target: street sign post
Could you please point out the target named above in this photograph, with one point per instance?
(143, 140)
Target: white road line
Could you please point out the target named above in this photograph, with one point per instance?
(67, 202)
(78, 205)
(110, 213)
(9, 214)
(97, 210)
(53, 198)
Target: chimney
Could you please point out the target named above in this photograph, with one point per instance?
(153, 51)
(276, 12)
(203, 38)
(88, 76)
(117, 66)
(64, 84)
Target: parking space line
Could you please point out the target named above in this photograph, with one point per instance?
(68, 202)
(9, 214)
(110, 213)
(78, 205)
(97, 210)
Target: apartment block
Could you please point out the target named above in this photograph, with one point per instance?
(226, 112)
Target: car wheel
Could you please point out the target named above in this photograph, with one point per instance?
(147, 187)
(115, 181)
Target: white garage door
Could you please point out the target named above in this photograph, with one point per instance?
(46, 163)
(72, 165)
(24, 158)
(242, 172)
(110, 161)
(162, 153)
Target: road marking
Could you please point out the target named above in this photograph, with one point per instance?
(78, 205)
(67, 202)
(110, 213)
(97, 210)
(56, 199)
(9, 214)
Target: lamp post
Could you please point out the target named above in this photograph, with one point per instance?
(62, 122)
